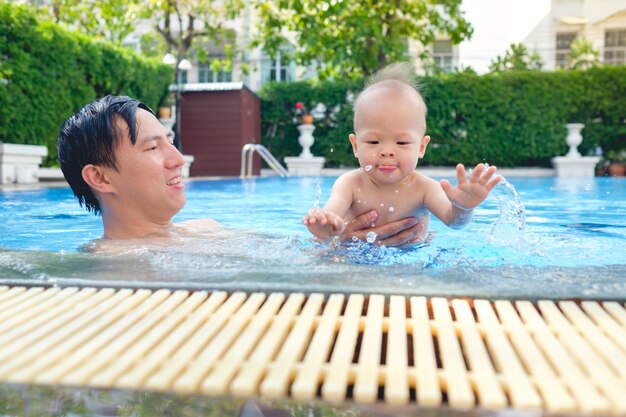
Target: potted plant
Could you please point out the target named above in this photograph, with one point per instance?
(165, 108)
(306, 117)
(617, 162)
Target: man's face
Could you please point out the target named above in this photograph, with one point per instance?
(148, 182)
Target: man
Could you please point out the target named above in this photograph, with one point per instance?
(120, 162)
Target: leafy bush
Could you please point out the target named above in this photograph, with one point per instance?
(514, 118)
(48, 73)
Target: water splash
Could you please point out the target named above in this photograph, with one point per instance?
(509, 227)
(368, 167)
(371, 237)
(318, 193)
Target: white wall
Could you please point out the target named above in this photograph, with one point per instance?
(497, 24)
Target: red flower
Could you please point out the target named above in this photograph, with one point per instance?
(299, 105)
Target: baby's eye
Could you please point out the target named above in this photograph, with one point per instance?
(152, 148)
(372, 142)
(403, 142)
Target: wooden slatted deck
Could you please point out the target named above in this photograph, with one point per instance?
(556, 357)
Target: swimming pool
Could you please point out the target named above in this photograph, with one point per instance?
(564, 239)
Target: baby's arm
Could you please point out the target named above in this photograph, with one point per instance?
(328, 222)
(455, 205)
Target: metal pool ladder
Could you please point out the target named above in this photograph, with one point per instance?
(246, 160)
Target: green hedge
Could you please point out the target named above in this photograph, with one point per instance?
(506, 119)
(48, 73)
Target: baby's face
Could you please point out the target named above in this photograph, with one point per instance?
(389, 135)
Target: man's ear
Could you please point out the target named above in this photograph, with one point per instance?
(423, 145)
(96, 178)
(352, 139)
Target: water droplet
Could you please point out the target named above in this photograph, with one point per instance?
(371, 237)
(373, 224)
(355, 239)
(332, 150)
(360, 169)
(358, 201)
(368, 167)
(382, 205)
(392, 209)
(397, 191)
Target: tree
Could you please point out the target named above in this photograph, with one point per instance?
(352, 38)
(515, 59)
(582, 55)
(191, 24)
(113, 20)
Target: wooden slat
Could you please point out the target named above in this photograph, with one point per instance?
(519, 386)
(218, 381)
(617, 311)
(165, 376)
(555, 394)
(112, 367)
(559, 357)
(454, 371)
(606, 322)
(32, 320)
(585, 393)
(602, 344)
(247, 381)
(337, 378)
(490, 394)
(427, 389)
(310, 374)
(588, 360)
(277, 380)
(116, 342)
(196, 369)
(397, 378)
(21, 351)
(133, 372)
(19, 298)
(368, 370)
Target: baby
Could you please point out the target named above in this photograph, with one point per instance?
(389, 138)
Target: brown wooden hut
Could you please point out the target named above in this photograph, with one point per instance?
(218, 119)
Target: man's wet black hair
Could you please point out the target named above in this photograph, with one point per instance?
(90, 136)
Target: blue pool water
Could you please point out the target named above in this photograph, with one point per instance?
(553, 238)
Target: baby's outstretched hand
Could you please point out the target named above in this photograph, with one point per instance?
(470, 193)
(323, 224)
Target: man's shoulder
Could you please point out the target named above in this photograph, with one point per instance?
(200, 224)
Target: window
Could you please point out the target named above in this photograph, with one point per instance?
(442, 55)
(182, 77)
(207, 75)
(615, 47)
(563, 48)
(279, 70)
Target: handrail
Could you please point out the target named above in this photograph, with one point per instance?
(246, 160)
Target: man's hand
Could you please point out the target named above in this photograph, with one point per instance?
(469, 194)
(396, 233)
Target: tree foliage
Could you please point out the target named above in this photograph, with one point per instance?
(517, 58)
(113, 20)
(582, 55)
(49, 73)
(353, 38)
(190, 24)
